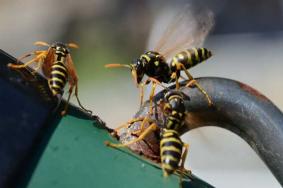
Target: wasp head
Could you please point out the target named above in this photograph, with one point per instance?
(138, 70)
(60, 47)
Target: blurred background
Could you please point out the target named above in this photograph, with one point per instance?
(247, 42)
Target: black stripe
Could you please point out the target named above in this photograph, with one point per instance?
(177, 145)
(193, 57)
(174, 154)
(209, 54)
(55, 75)
(56, 83)
(170, 125)
(173, 164)
(57, 90)
(60, 55)
(60, 70)
(172, 134)
(201, 57)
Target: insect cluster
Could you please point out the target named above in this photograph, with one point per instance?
(177, 50)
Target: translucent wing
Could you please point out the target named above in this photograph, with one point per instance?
(188, 28)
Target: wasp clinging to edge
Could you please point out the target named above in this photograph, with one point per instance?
(172, 150)
(57, 66)
(177, 50)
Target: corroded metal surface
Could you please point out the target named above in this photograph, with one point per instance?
(238, 108)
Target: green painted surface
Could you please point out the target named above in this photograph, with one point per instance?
(77, 157)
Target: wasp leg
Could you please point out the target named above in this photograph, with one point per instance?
(126, 125)
(182, 166)
(34, 60)
(68, 100)
(141, 129)
(151, 128)
(196, 84)
(151, 97)
(174, 77)
(141, 93)
(154, 83)
(39, 65)
(59, 100)
(79, 102)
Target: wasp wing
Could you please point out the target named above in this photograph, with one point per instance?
(186, 29)
(73, 77)
(48, 61)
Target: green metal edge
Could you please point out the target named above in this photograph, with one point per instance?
(76, 156)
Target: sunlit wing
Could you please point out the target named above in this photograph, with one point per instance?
(186, 29)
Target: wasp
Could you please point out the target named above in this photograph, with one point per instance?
(173, 150)
(57, 66)
(175, 51)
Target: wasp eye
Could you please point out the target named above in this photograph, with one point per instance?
(139, 68)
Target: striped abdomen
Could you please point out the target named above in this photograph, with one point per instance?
(191, 57)
(171, 148)
(58, 78)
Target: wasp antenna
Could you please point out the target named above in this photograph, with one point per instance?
(73, 45)
(135, 76)
(41, 43)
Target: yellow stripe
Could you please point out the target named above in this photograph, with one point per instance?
(175, 61)
(58, 72)
(169, 124)
(57, 79)
(172, 139)
(59, 66)
(55, 86)
(169, 133)
(180, 56)
(196, 54)
(146, 57)
(189, 57)
(59, 52)
(170, 148)
(174, 112)
(171, 158)
(167, 166)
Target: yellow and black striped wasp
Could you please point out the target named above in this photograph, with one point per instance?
(178, 49)
(173, 151)
(57, 66)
